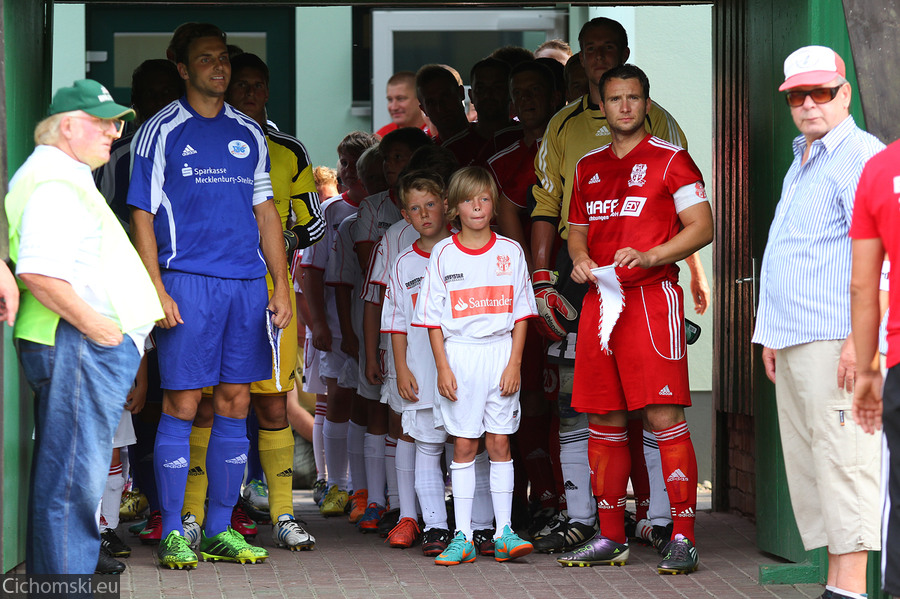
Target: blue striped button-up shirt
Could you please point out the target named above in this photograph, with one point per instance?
(805, 278)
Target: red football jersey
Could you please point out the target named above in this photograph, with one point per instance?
(629, 202)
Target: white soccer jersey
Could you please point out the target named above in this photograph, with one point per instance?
(404, 286)
(475, 294)
(376, 214)
(343, 269)
(335, 209)
(397, 238)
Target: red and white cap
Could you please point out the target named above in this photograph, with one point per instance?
(812, 65)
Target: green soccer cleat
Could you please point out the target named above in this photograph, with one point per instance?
(510, 546)
(230, 546)
(174, 552)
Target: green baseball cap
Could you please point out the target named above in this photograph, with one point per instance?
(91, 97)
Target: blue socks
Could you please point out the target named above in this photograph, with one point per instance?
(171, 455)
(225, 462)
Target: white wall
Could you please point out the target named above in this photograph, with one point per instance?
(68, 45)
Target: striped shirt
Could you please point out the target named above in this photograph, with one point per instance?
(805, 277)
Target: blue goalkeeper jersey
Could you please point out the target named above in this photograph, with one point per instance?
(201, 178)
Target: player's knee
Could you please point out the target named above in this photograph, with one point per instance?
(572, 422)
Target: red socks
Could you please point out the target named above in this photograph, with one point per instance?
(640, 479)
(679, 466)
(610, 463)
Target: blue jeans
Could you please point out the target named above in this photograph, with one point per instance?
(80, 389)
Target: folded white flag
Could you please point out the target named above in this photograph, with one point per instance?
(611, 299)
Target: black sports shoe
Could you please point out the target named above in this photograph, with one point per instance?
(483, 539)
(113, 545)
(388, 521)
(540, 519)
(661, 536)
(630, 525)
(106, 564)
(679, 557)
(566, 538)
(434, 541)
(596, 552)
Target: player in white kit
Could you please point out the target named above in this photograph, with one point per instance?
(475, 301)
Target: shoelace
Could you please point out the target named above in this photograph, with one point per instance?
(241, 517)
(680, 551)
(154, 521)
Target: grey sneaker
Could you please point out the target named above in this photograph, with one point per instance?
(596, 552)
(288, 532)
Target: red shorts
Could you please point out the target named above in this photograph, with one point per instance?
(648, 363)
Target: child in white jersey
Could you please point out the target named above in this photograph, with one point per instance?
(475, 299)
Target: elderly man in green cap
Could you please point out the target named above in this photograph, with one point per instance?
(87, 306)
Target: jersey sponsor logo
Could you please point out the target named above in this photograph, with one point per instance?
(179, 463)
(602, 209)
(504, 266)
(187, 171)
(602, 132)
(678, 475)
(241, 459)
(188, 150)
(454, 276)
(700, 190)
(496, 299)
(665, 391)
(632, 206)
(413, 282)
(638, 175)
(238, 148)
(594, 179)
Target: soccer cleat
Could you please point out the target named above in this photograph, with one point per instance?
(405, 534)
(459, 551)
(152, 532)
(113, 545)
(132, 505)
(643, 531)
(510, 546)
(679, 557)
(483, 539)
(257, 495)
(107, 564)
(660, 537)
(334, 503)
(596, 552)
(388, 521)
(137, 527)
(553, 525)
(242, 523)
(358, 502)
(174, 552)
(565, 538)
(370, 518)
(230, 546)
(191, 530)
(289, 532)
(434, 541)
(630, 525)
(319, 491)
(540, 520)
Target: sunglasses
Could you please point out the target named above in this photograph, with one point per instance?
(820, 95)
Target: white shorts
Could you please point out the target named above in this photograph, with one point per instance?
(125, 431)
(477, 366)
(363, 387)
(391, 396)
(419, 424)
(348, 376)
(312, 380)
(331, 362)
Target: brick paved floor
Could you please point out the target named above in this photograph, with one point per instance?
(347, 564)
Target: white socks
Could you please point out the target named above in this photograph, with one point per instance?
(390, 471)
(374, 447)
(576, 471)
(406, 479)
(463, 476)
(501, 494)
(112, 497)
(335, 436)
(356, 455)
(318, 442)
(430, 484)
(482, 508)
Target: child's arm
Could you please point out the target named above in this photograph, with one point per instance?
(349, 341)
(137, 397)
(446, 379)
(407, 385)
(372, 335)
(512, 374)
(313, 284)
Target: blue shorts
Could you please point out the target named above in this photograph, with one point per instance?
(223, 338)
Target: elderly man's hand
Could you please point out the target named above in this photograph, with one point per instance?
(103, 331)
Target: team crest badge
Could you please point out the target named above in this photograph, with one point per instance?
(503, 265)
(700, 190)
(238, 148)
(638, 175)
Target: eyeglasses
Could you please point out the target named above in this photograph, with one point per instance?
(820, 95)
(119, 124)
